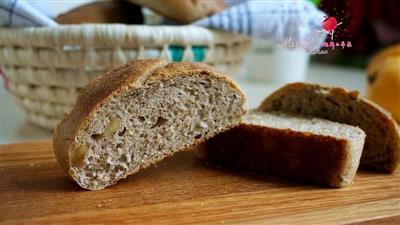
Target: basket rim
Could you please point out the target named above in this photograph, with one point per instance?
(87, 35)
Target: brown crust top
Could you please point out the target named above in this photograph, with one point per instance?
(341, 93)
(130, 76)
(183, 11)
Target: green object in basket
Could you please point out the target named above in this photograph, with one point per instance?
(199, 53)
(316, 2)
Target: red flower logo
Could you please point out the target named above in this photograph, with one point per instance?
(329, 25)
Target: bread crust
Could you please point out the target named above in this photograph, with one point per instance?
(103, 12)
(303, 156)
(183, 12)
(133, 75)
(392, 147)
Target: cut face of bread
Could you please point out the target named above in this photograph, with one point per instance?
(382, 144)
(310, 149)
(165, 109)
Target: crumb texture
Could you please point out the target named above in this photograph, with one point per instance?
(298, 123)
(142, 126)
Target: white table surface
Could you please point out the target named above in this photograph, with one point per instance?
(15, 128)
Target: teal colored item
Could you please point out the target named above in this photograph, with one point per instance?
(316, 2)
(176, 51)
(199, 53)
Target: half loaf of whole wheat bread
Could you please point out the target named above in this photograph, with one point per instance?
(140, 113)
(303, 148)
(382, 144)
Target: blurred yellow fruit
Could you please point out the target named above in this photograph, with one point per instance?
(384, 80)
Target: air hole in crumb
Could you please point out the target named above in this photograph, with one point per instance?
(96, 136)
(119, 145)
(124, 158)
(191, 92)
(121, 133)
(350, 108)
(141, 118)
(210, 99)
(160, 121)
(197, 136)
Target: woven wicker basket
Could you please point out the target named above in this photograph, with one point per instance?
(45, 67)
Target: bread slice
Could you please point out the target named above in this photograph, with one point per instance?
(183, 12)
(310, 149)
(140, 113)
(382, 145)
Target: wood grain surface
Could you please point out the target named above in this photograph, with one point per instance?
(184, 190)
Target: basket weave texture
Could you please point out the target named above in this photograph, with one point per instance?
(45, 67)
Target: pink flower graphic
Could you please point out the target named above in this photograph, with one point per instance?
(329, 25)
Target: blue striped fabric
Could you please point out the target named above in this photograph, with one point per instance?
(21, 13)
(278, 20)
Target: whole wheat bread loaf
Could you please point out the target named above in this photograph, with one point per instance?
(382, 144)
(140, 113)
(303, 148)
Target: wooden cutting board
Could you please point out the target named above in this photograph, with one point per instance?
(182, 190)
